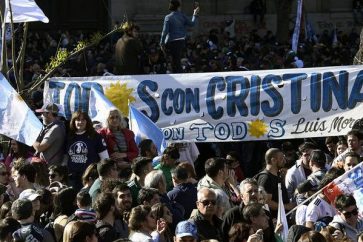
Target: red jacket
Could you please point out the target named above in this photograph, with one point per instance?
(132, 150)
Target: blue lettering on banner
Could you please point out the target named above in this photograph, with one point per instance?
(148, 99)
(72, 87)
(296, 79)
(340, 90)
(239, 130)
(255, 95)
(238, 101)
(276, 108)
(56, 87)
(315, 92)
(276, 128)
(221, 131)
(258, 95)
(215, 82)
(357, 176)
(356, 96)
(173, 133)
(201, 128)
(86, 89)
(167, 95)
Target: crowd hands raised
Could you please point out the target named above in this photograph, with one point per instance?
(78, 183)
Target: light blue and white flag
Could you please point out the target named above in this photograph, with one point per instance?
(24, 11)
(144, 128)
(99, 106)
(17, 120)
(281, 216)
(296, 35)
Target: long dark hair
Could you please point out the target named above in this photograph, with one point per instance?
(23, 150)
(90, 131)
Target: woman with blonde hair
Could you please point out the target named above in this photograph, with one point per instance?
(119, 140)
(79, 231)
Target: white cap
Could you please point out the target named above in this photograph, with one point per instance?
(29, 194)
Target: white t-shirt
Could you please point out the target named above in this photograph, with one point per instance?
(317, 209)
(142, 237)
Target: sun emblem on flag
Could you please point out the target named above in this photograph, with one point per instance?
(257, 128)
(120, 96)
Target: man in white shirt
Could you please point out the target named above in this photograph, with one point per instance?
(300, 171)
(320, 209)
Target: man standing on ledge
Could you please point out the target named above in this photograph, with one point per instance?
(174, 33)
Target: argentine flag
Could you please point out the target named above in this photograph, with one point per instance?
(144, 128)
(17, 120)
(99, 106)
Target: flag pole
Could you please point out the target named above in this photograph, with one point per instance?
(130, 123)
(316, 193)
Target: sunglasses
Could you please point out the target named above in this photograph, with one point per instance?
(4, 173)
(354, 212)
(208, 202)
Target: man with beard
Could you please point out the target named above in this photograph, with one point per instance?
(299, 171)
(105, 206)
(269, 179)
(249, 194)
(123, 199)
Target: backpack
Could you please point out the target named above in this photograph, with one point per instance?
(258, 175)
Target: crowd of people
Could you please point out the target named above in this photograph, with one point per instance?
(83, 181)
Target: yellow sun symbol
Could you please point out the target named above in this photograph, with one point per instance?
(120, 96)
(257, 128)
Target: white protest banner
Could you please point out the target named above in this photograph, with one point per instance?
(230, 106)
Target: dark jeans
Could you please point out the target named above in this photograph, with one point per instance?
(176, 50)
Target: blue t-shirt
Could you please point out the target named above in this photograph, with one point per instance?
(83, 150)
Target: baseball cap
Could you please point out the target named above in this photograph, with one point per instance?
(29, 194)
(56, 186)
(48, 108)
(186, 228)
